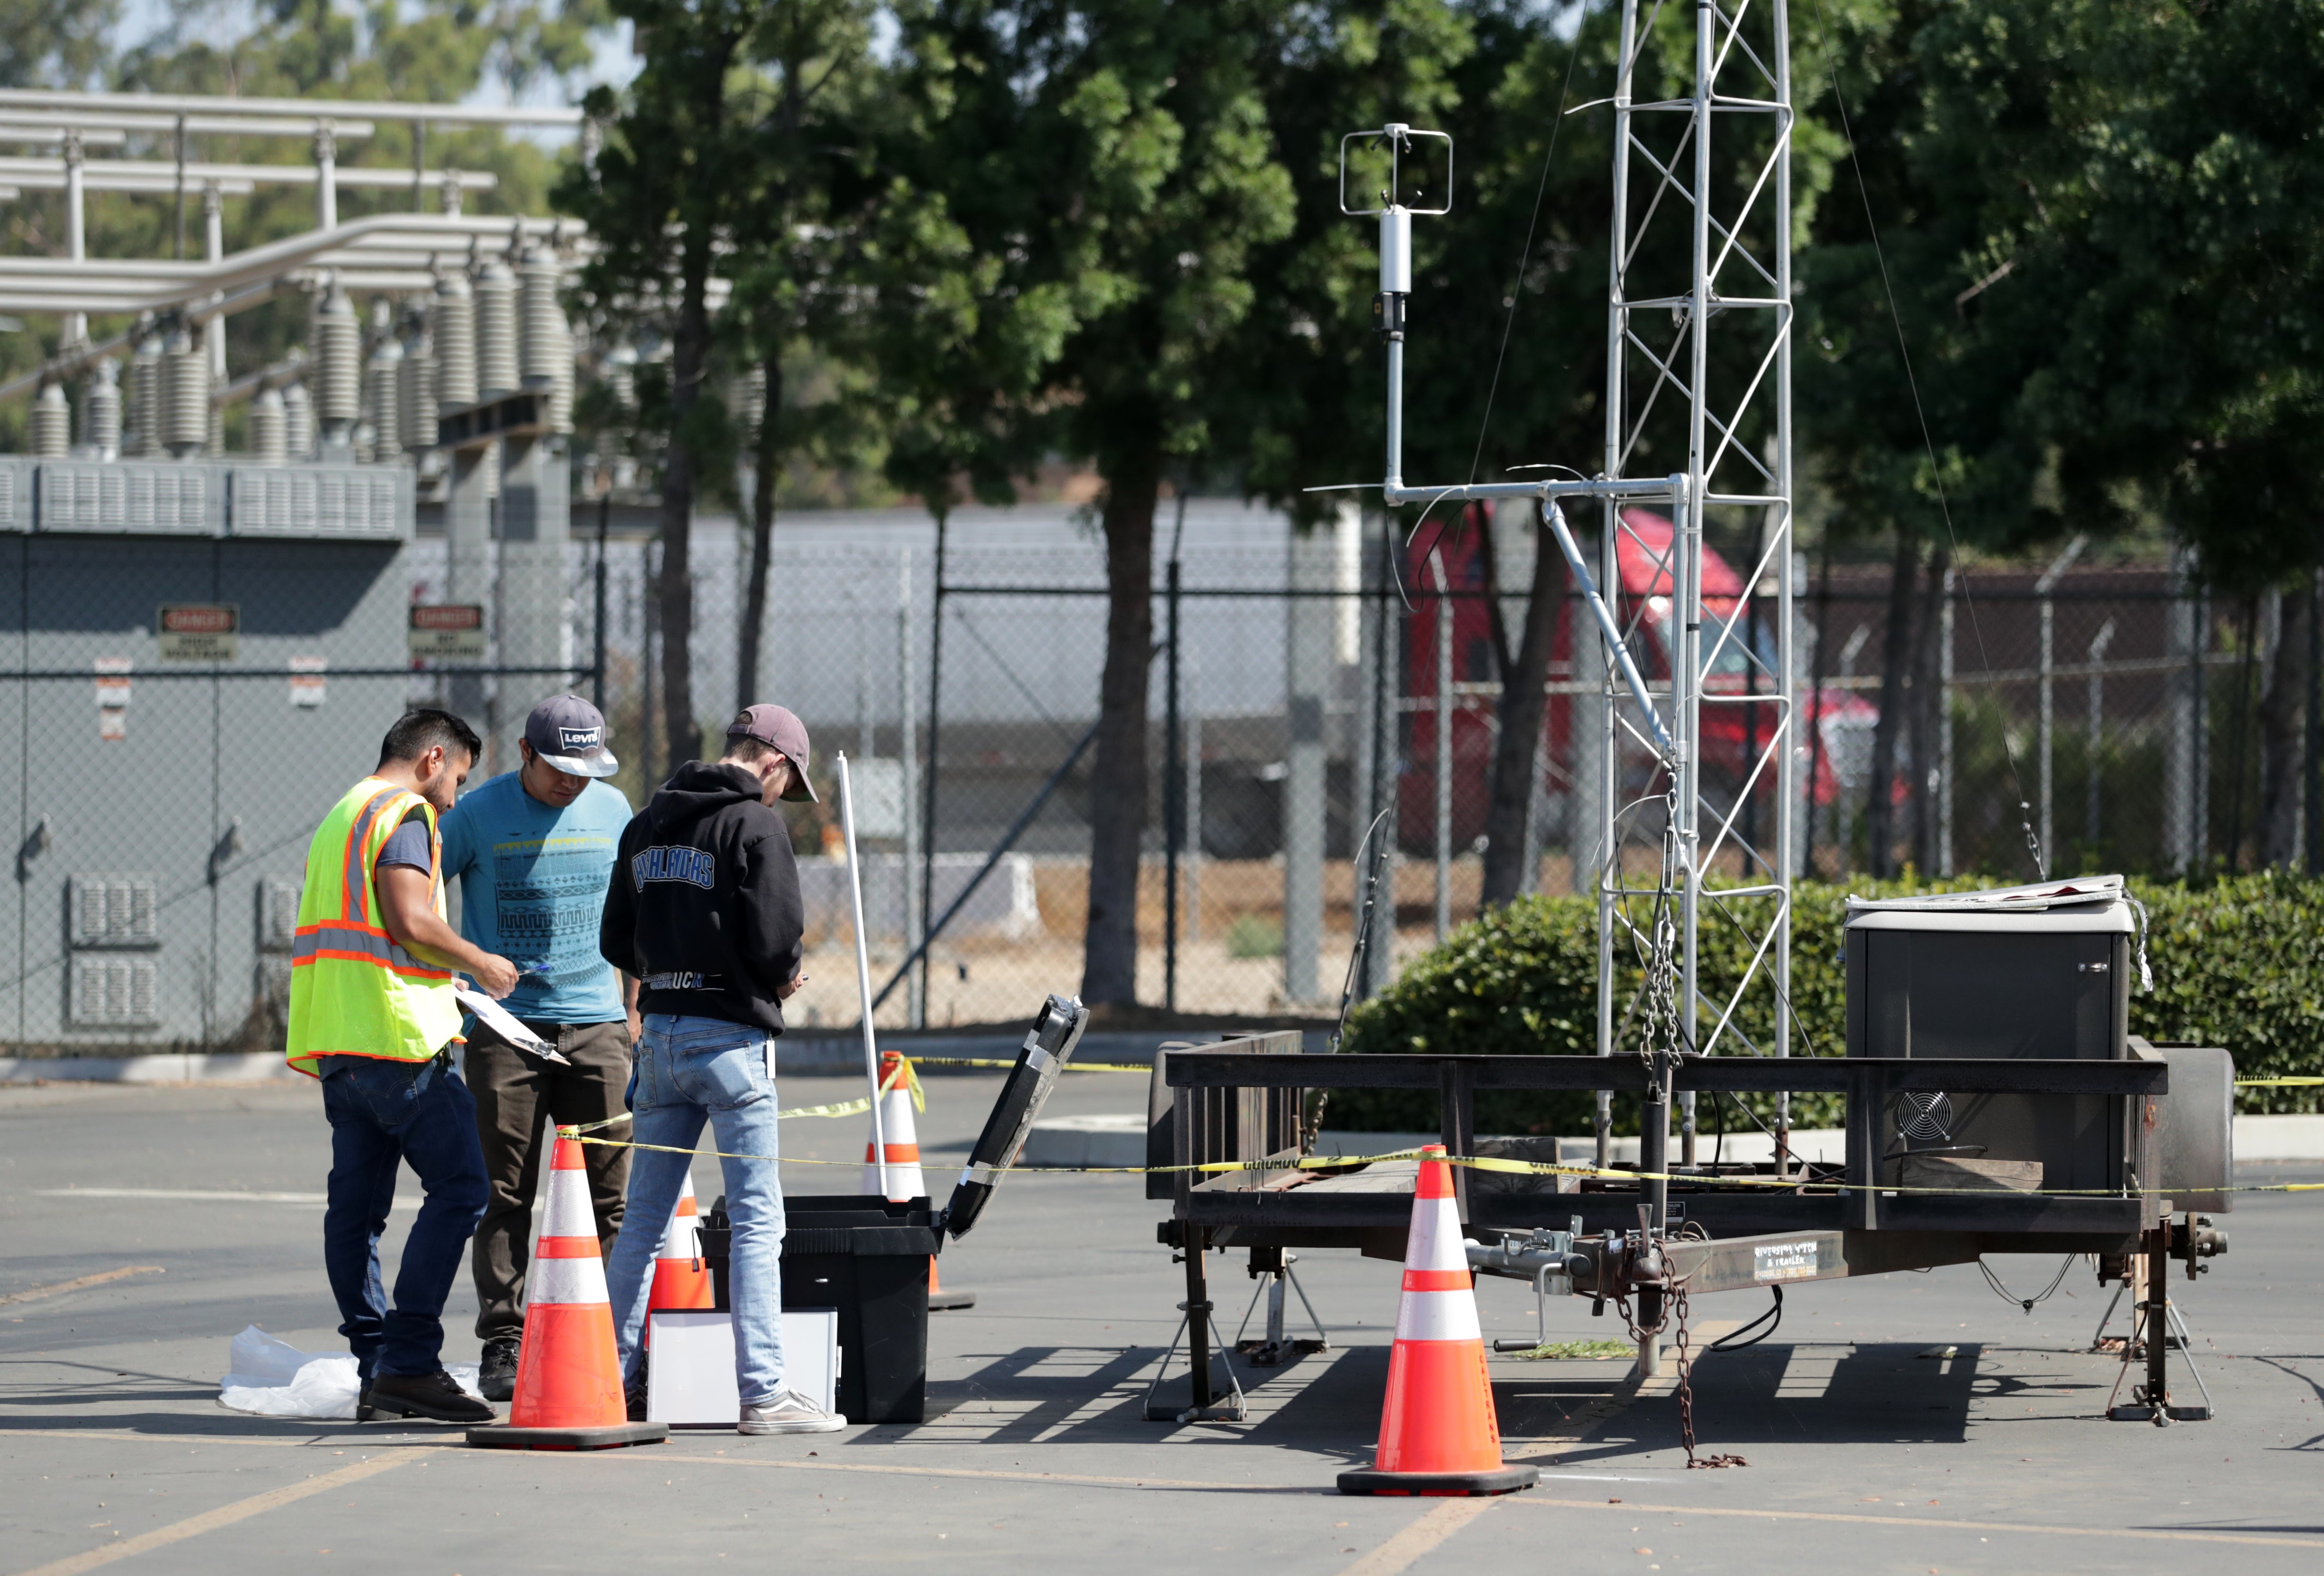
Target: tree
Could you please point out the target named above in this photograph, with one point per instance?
(55, 43)
(672, 181)
(801, 253)
(2178, 253)
(2102, 228)
(1113, 159)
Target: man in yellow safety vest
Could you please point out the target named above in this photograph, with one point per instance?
(373, 1015)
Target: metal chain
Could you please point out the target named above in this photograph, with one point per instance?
(1662, 1026)
(1686, 1393)
(1685, 1388)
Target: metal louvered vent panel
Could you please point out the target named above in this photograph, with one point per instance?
(278, 914)
(337, 502)
(131, 497)
(115, 911)
(115, 993)
(15, 495)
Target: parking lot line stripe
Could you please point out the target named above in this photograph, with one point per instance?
(63, 1287)
(185, 1194)
(2158, 1534)
(1420, 1537)
(223, 1516)
(234, 1440)
(1087, 1479)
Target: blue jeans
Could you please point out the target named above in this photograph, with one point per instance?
(690, 1069)
(381, 1115)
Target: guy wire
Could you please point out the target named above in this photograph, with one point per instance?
(1928, 443)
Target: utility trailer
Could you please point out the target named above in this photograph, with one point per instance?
(1995, 1104)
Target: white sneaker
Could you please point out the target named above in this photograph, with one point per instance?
(789, 1413)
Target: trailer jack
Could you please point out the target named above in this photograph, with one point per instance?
(2151, 1402)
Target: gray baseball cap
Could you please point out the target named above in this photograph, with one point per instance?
(775, 726)
(569, 735)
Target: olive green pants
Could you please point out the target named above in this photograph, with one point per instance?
(514, 1092)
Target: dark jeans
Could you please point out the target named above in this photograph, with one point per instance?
(513, 1091)
(382, 1115)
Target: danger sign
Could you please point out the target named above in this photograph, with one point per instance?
(198, 632)
(447, 628)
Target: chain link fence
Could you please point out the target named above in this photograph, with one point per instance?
(164, 774)
(2114, 720)
(175, 719)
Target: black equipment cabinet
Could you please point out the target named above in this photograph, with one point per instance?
(1946, 977)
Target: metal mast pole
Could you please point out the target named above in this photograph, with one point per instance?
(1686, 697)
(1790, 804)
(1617, 323)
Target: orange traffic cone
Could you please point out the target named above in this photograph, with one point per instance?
(939, 1298)
(1437, 1435)
(568, 1376)
(905, 1182)
(681, 1279)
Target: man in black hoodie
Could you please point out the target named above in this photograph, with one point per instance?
(704, 912)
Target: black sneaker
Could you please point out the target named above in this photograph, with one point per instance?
(431, 1396)
(634, 1392)
(496, 1373)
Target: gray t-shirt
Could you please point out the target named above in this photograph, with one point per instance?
(408, 844)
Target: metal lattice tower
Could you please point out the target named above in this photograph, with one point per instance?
(1691, 754)
(1699, 326)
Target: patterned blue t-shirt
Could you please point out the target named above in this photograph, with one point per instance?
(532, 888)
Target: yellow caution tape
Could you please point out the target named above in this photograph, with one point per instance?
(1012, 1061)
(2278, 1082)
(902, 1072)
(1495, 1163)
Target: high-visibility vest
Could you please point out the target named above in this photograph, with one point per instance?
(353, 992)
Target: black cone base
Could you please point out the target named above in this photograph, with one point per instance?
(609, 1436)
(1503, 1480)
(945, 1297)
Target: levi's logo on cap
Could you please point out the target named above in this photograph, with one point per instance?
(576, 739)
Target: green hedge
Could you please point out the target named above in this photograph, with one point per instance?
(2238, 962)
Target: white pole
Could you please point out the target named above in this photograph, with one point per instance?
(2098, 725)
(1190, 715)
(75, 324)
(326, 177)
(1945, 727)
(2044, 727)
(908, 749)
(863, 971)
(1443, 745)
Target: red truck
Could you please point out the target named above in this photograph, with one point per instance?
(1730, 733)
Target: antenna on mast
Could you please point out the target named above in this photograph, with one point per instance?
(1397, 141)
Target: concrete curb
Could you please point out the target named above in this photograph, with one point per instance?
(162, 1067)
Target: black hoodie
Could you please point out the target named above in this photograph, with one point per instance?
(704, 908)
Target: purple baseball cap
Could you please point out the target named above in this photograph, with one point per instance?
(569, 735)
(778, 728)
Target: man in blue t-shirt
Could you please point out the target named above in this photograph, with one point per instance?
(533, 850)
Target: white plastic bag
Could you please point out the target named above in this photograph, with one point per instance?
(269, 1377)
(273, 1378)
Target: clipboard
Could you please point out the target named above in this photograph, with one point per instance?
(496, 1018)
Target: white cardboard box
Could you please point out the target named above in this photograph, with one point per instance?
(690, 1377)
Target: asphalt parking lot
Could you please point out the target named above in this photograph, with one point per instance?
(197, 1210)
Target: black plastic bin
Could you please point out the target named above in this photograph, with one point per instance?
(868, 1258)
